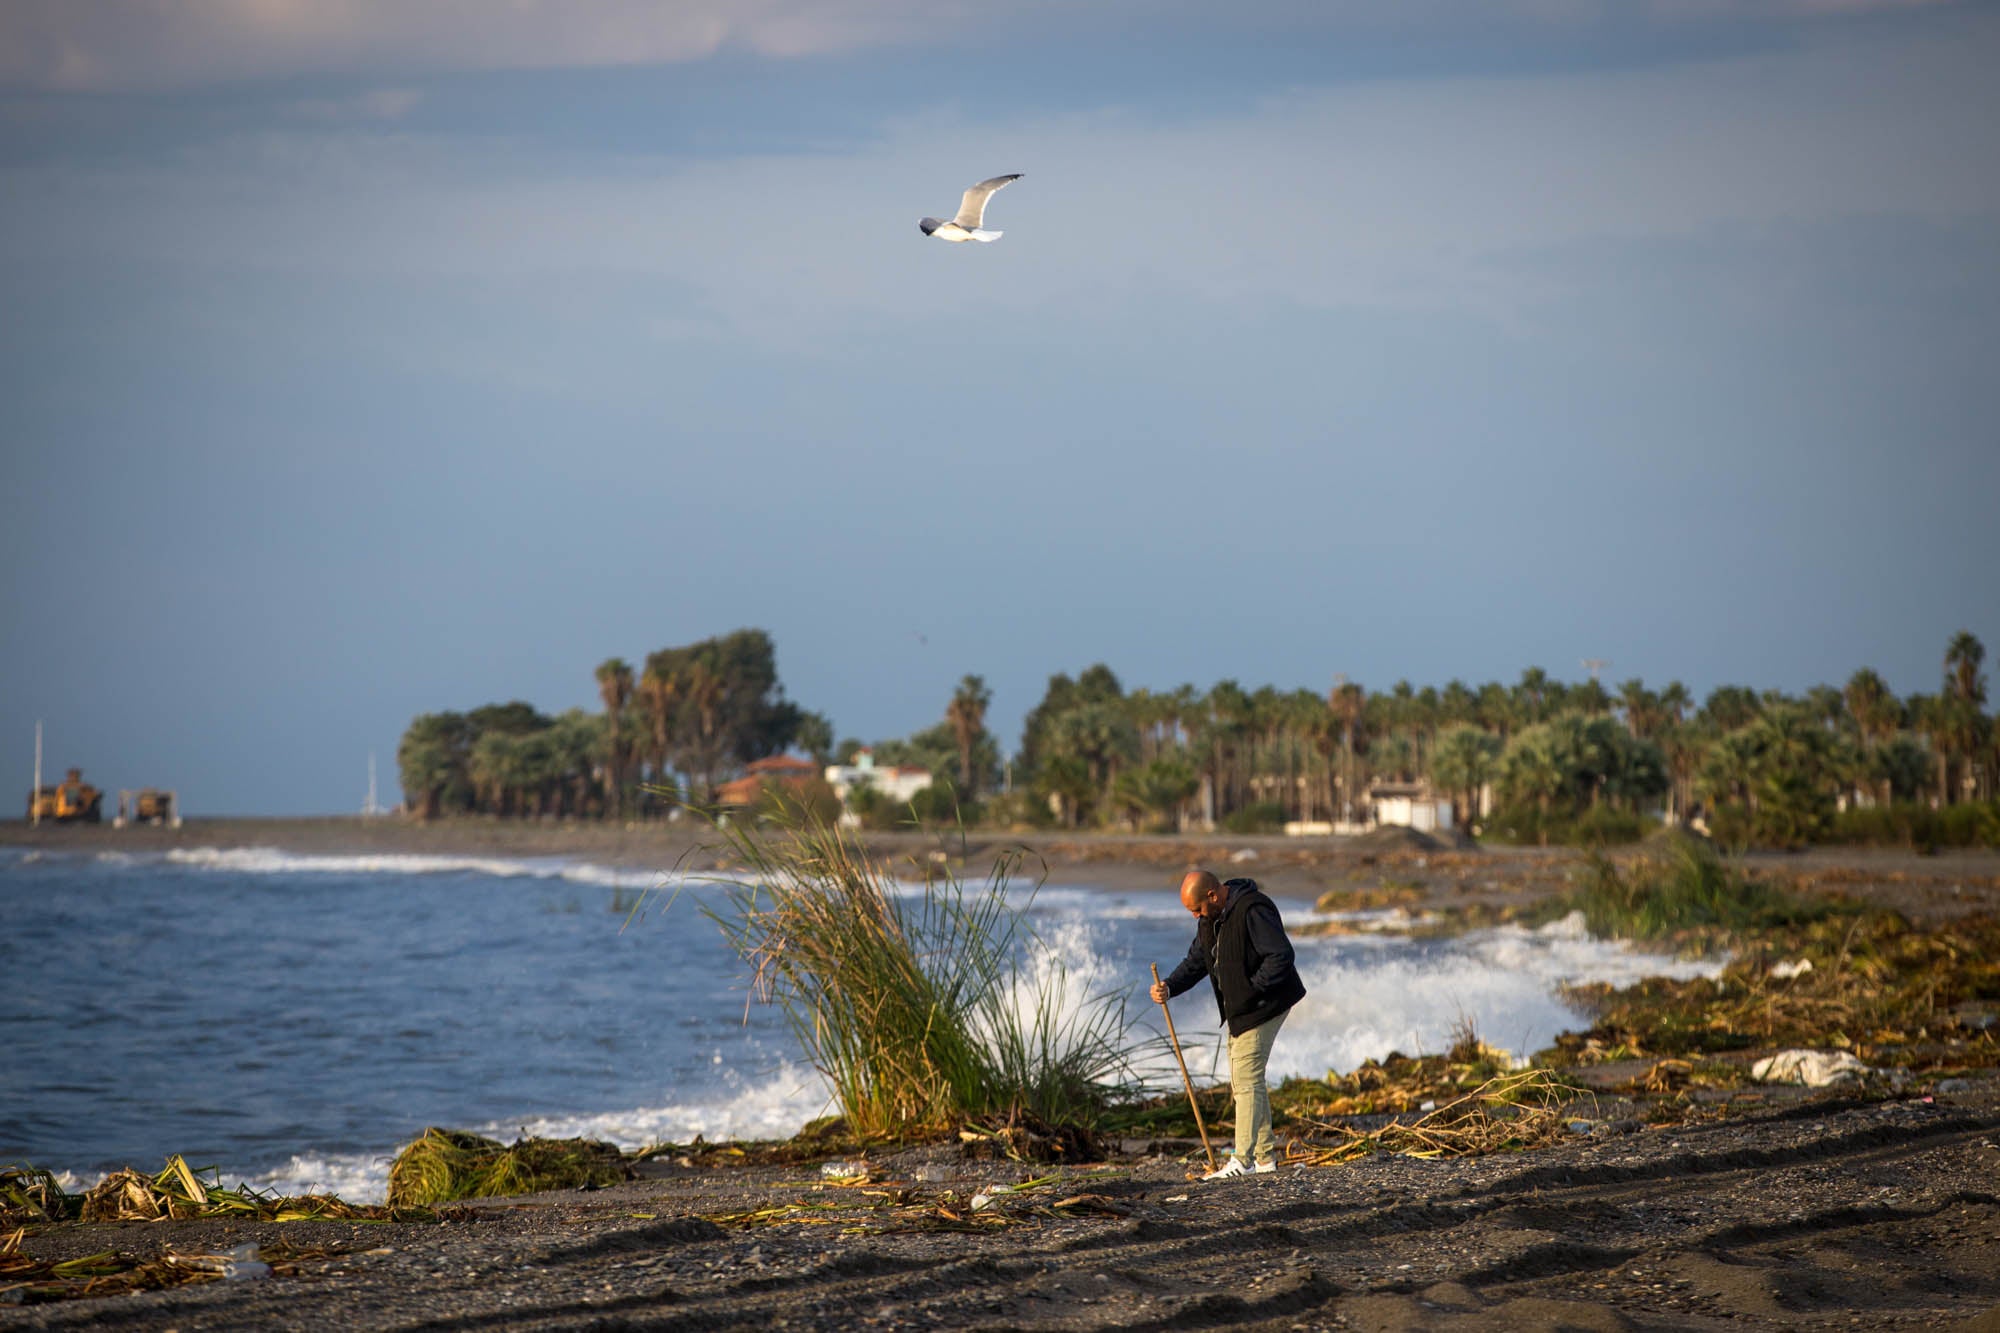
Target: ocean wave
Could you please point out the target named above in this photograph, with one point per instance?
(276, 861)
(773, 1106)
(1504, 983)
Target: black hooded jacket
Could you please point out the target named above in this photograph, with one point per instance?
(1247, 958)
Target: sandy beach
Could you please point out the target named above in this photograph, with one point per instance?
(1766, 1208)
(1817, 1212)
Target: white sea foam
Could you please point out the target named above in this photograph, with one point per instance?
(772, 1106)
(1375, 995)
(275, 861)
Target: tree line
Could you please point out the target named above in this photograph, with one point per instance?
(1535, 760)
(670, 730)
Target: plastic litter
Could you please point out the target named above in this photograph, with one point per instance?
(234, 1264)
(844, 1170)
(985, 1197)
(1815, 1069)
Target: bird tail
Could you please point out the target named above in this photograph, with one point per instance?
(978, 234)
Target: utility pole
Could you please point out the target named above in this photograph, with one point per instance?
(35, 792)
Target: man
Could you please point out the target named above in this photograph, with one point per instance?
(1240, 945)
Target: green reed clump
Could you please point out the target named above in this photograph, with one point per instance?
(447, 1164)
(926, 1009)
(1679, 885)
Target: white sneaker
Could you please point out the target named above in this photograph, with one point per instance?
(1229, 1170)
(1265, 1168)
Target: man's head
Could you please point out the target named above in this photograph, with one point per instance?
(1202, 893)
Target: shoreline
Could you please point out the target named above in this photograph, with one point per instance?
(1762, 1207)
(1418, 871)
(1827, 1210)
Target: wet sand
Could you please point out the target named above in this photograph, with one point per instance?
(1793, 1210)
(1815, 1213)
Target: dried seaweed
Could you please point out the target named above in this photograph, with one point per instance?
(1509, 1112)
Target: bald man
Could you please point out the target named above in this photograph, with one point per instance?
(1240, 945)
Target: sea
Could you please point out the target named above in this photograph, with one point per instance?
(292, 1020)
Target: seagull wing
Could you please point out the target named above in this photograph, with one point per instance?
(972, 209)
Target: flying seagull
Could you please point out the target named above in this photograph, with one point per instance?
(971, 212)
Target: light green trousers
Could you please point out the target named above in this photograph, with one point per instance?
(1249, 1053)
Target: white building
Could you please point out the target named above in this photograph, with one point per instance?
(898, 784)
(1409, 805)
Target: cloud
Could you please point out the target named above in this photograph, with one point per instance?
(154, 45)
(143, 45)
(1428, 196)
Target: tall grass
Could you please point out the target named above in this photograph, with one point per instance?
(1679, 884)
(926, 1009)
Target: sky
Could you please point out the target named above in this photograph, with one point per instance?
(367, 359)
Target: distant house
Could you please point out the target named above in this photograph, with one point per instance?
(896, 783)
(779, 771)
(1409, 805)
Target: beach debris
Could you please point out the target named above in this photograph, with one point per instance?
(1797, 967)
(27, 1280)
(448, 1164)
(1509, 1112)
(844, 1170)
(1893, 993)
(886, 1207)
(233, 1264)
(29, 1194)
(1815, 1069)
(1668, 1076)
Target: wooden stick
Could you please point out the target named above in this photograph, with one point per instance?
(1185, 1080)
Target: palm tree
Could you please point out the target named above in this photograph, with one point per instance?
(1531, 696)
(1962, 678)
(1461, 762)
(1827, 706)
(1497, 711)
(1100, 738)
(1531, 768)
(614, 686)
(815, 736)
(1731, 706)
(1876, 715)
(1228, 709)
(1643, 715)
(1348, 702)
(1674, 702)
(1588, 697)
(660, 691)
(1875, 711)
(967, 715)
(704, 688)
(1457, 704)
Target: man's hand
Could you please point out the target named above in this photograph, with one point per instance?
(1159, 992)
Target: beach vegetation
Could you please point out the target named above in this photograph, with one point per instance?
(1257, 817)
(928, 1005)
(443, 1165)
(1925, 1000)
(1677, 886)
